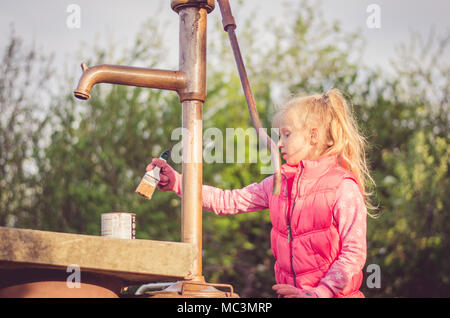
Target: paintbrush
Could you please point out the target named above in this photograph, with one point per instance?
(148, 184)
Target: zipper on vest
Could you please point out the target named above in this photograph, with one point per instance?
(290, 237)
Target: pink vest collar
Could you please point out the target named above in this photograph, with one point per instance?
(311, 168)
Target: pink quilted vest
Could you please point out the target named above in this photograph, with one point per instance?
(305, 240)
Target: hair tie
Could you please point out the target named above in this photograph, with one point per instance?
(325, 98)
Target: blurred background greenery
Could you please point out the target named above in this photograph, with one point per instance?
(64, 162)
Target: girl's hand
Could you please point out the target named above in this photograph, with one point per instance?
(168, 176)
(288, 291)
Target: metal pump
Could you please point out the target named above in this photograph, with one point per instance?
(190, 84)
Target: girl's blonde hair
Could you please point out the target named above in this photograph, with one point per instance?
(331, 114)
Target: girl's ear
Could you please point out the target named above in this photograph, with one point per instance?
(314, 136)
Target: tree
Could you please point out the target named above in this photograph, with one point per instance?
(410, 128)
(25, 93)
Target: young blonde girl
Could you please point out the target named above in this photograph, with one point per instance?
(318, 234)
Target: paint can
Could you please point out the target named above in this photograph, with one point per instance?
(119, 225)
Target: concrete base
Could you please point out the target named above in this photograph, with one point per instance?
(35, 263)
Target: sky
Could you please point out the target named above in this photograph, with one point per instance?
(45, 23)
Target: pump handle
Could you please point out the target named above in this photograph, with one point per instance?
(229, 26)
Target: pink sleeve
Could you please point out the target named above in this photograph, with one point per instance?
(254, 197)
(350, 217)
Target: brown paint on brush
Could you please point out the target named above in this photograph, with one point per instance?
(149, 182)
(146, 187)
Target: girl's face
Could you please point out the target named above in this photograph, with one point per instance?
(293, 144)
(297, 144)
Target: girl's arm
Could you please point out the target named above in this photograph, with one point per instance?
(350, 215)
(253, 197)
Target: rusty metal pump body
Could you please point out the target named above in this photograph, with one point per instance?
(189, 81)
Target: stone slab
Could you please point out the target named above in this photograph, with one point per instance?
(134, 261)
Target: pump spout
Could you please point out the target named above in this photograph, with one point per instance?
(126, 75)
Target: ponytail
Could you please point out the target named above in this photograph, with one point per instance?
(348, 143)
